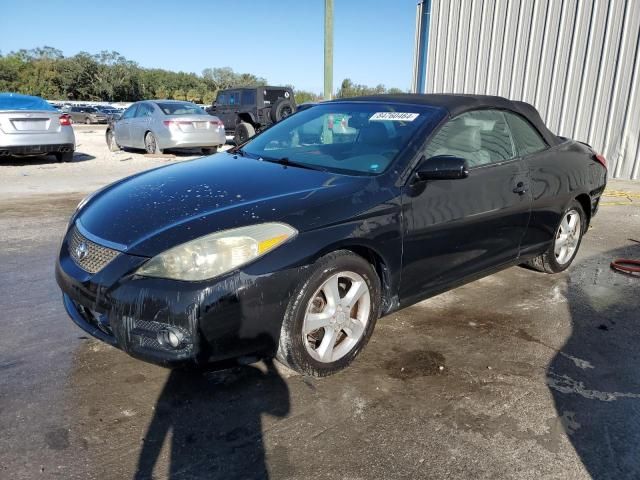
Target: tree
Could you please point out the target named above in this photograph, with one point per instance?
(225, 77)
(193, 95)
(178, 94)
(108, 75)
(161, 92)
(350, 89)
(303, 96)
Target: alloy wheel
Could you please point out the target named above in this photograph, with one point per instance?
(336, 317)
(568, 237)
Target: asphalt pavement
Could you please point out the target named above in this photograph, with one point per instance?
(520, 375)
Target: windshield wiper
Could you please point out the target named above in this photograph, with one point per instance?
(286, 161)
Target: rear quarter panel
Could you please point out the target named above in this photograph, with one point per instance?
(557, 177)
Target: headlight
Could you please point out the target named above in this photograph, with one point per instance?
(212, 255)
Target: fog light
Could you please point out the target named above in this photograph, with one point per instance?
(170, 337)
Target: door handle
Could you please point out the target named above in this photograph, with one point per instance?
(520, 188)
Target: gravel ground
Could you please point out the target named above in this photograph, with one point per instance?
(93, 166)
(520, 375)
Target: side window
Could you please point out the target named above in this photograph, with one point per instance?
(223, 99)
(248, 97)
(234, 98)
(525, 136)
(130, 112)
(480, 137)
(144, 110)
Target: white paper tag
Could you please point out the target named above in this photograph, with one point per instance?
(394, 116)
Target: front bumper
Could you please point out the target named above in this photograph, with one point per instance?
(237, 315)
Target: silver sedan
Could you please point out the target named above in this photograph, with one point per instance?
(31, 126)
(162, 124)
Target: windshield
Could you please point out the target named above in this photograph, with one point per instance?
(179, 108)
(355, 138)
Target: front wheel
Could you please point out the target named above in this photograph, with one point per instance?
(87, 121)
(111, 142)
(151, 144)
(331, 316)
(566, 242)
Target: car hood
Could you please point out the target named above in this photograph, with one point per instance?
(158, 209)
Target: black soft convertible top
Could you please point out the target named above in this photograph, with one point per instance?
(456, 104)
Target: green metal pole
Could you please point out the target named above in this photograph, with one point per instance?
(328, 49)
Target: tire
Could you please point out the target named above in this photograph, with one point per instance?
(281, 109)
(244, 131)
(554, 260)
(64, 157)
(87, 121)
(111, 142)
(210, 151)
(151, 144)
(304, 349)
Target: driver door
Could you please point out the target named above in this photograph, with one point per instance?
(459, 228)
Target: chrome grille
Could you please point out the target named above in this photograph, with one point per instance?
(92, 257)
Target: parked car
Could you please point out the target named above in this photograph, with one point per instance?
(295, 247)
(110, 112)
(245, 111)
(87, 115)
(161, 124)
(31, 126)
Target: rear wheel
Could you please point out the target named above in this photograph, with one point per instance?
(566, 242)
(87, 121)
(209, 151)
(244, 131)
(331, 316)
(64, 156)
(151, 144)
(111, 142)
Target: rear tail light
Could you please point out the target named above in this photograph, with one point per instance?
(216, 123)
(601, 160)
(65, 120)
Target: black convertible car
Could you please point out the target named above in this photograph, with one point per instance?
(294, 243)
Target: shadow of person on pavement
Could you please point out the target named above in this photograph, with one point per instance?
(595, 377)
(214, 423)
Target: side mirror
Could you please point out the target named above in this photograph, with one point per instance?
(442, 167)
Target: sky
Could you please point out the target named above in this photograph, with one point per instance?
(281, 40)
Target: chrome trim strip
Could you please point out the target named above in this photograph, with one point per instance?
(100, 241)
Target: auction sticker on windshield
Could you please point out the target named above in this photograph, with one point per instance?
(395, 116)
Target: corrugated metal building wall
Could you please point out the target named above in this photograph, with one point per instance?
(576, 61)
